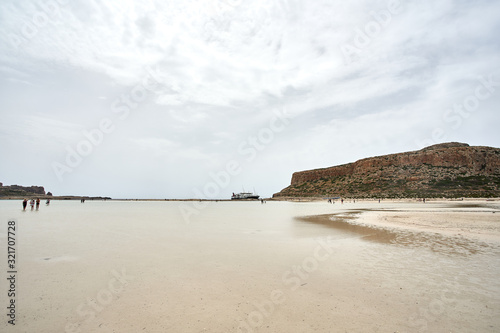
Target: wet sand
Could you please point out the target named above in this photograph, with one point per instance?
(473, 220)
(247, 267)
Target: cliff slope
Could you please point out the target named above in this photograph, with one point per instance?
(20, 191)
(444, 170)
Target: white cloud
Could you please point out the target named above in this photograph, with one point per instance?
(223, 68)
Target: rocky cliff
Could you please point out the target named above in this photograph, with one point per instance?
(20, 191)
(443, 170)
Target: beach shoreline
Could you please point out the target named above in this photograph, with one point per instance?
(473, 219)
(279, 199)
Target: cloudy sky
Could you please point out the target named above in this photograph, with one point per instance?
(182, 99)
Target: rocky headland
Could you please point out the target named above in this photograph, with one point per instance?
(448, 170)
(22, 191)
(19, 192)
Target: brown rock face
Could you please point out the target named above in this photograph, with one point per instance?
(444, 170)
(17, 190)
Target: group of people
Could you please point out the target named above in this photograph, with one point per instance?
(34, 202)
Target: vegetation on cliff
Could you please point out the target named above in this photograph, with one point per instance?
(21, 191)
(448, 170)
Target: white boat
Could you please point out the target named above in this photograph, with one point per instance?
(244, 196)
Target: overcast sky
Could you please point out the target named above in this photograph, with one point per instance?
(182, 99)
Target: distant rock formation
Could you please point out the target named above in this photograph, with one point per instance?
(444, 170)
(20, 191)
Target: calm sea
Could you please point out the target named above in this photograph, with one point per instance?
(130, 266)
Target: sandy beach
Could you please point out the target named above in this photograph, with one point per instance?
(248, 267)
(482, 225)
(468, 219)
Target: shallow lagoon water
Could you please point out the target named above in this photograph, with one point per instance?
(127, 266)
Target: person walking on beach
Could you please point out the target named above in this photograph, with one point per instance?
(32, 203)
(47, 202)
(37, 203)
(25, 203)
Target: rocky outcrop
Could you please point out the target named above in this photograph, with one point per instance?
(19, 191)
(444, 170)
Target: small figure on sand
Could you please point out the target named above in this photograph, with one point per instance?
(32, 203)
(424, 200)
(342, 201)
(37, 203)
(47, 202)
(25, 203)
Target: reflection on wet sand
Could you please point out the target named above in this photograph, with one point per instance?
(341, 223)
(449, 245)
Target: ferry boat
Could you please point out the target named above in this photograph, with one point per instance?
(244, 196)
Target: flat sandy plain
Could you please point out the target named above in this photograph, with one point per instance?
(250, 267)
